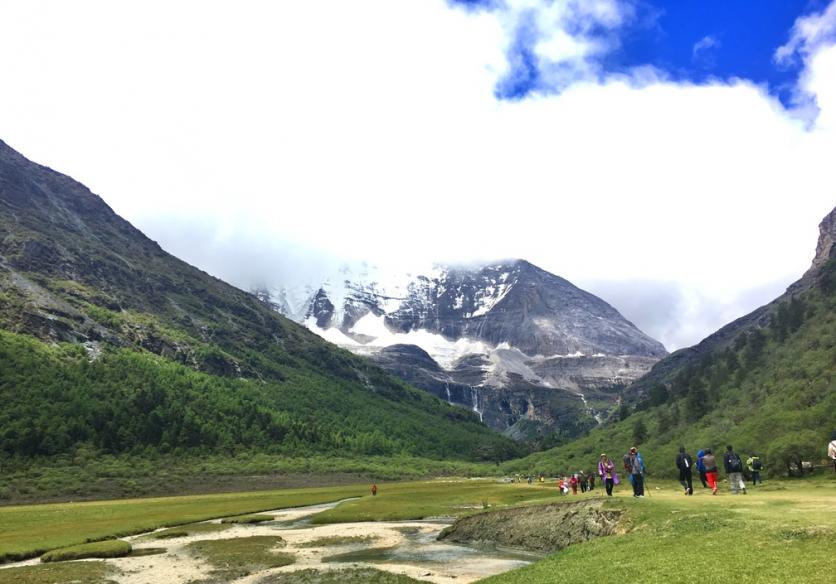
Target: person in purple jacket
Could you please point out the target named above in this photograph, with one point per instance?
(606, 470)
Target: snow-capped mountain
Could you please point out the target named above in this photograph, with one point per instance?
(520, 346)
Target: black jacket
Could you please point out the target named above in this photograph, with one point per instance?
(684, 461)
(732, 462)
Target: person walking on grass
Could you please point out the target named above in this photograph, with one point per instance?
(573, 482)
(582, 481)
(637, 472)
(701, 468)
(831, 450)
(684, 463)
(755, 467)
(710, 464)
(591, 479)
(374, 489)
(606, 470)
(734, 470)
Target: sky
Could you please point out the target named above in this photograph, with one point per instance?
(674, 158)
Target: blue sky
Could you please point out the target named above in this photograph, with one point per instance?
(694, 41)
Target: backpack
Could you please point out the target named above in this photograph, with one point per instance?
(734, 463)
(757, 464)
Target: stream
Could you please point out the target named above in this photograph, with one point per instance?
(401, 547)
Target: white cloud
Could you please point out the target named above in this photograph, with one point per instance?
(706, 43)
(809, 34)
(369, 130)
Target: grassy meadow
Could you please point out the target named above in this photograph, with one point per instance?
(29, 530)
(783, 530)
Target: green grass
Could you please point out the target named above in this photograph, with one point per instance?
(237, 557)
(28, 531)
(339, 540)
(75, 572)
(110, 548)
(447, 498)
(186, 530)
(348, 576)
(248, 519)
(770, 535)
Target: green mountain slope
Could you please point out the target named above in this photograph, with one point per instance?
(765, 383)
(108, 341)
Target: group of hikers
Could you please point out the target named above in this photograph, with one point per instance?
(635, 469)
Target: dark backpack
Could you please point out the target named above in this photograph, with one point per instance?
(734, 463)
(757, 464)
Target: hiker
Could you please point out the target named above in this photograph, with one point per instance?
(582, 481)
(529, 479)
(637, 472)
(606, 470)
(374, 489)
(734, 470)
(573, 482)
(684, 463)
(591, 479)
(710, 463)
(755, 467)
(628, 469)
(831, 450)
(701, 468)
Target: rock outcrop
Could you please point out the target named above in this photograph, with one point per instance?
(537, 528)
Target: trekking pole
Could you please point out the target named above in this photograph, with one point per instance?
(644, 479)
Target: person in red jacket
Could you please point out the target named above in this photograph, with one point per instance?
(573, 482)
(710, 463)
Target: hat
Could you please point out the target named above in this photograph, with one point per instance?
(603, 455)
(634, 449)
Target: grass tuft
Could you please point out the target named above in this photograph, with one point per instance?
(111, 548)
(247, 519)
(237, 557)
(348, 576)
(339, 540)
(75, 572)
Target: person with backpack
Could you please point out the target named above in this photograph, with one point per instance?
(582, 481)
(606, 470)
(684, 463)
(636, 472)
(710, 464)
(755, 467)
(701, 468)
(628, 469)
(734, 470)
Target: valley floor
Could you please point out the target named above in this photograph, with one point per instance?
(785, 530)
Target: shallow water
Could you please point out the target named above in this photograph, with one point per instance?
(403, 547)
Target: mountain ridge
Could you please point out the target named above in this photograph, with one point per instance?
(165, 356)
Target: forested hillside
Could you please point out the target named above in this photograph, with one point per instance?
(769, 388)
(108, 342)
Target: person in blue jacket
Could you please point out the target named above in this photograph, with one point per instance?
(637, 469)
(701, 468)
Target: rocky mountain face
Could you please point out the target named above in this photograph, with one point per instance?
(665, 370)
(526, 350)
(193, 362)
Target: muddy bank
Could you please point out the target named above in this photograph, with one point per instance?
(539, 528)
